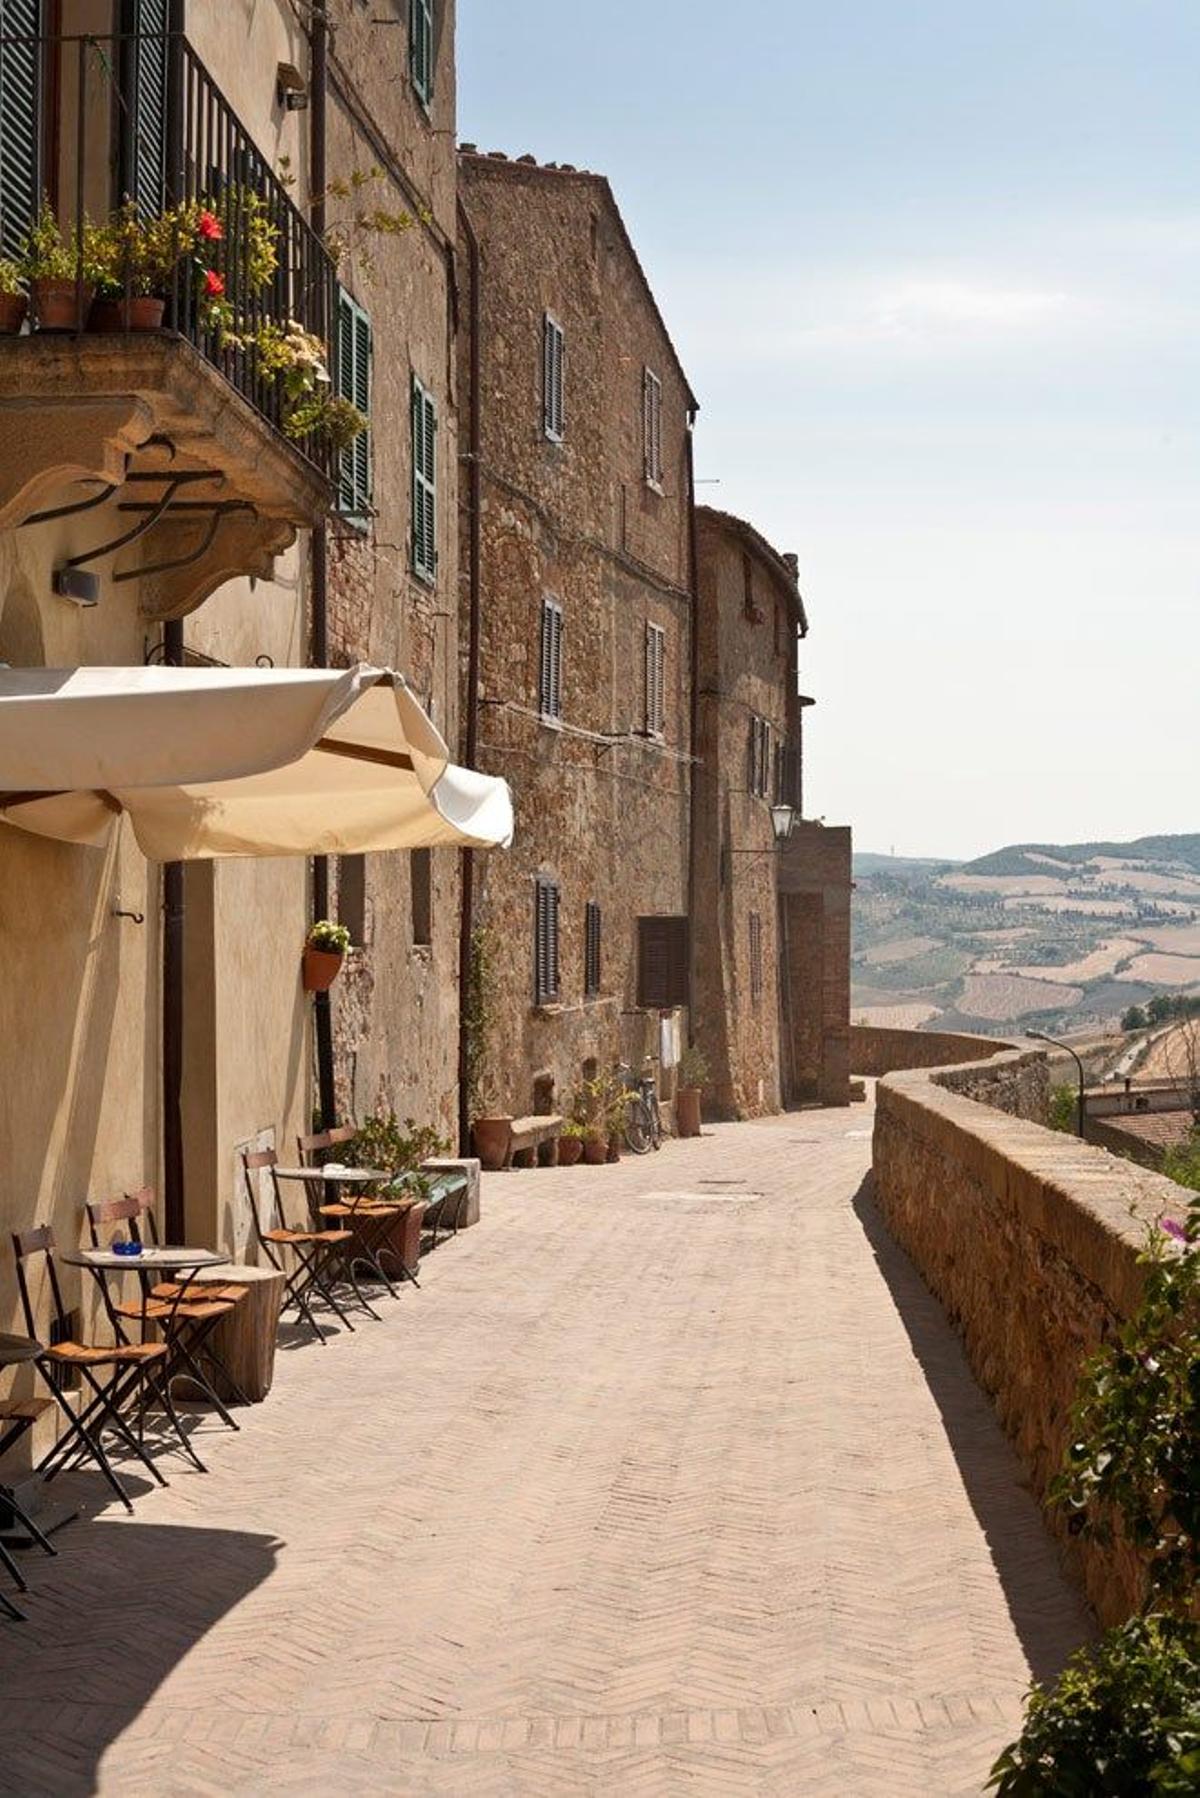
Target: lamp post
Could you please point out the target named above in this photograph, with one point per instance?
(1039, 1036)
(783, 821)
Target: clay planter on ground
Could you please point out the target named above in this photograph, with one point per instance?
(614, 1148)
(687, 1110)
(595, 1151)
(320, 969)
(54, 306)
(570, 1150)
(13, 307)
(140, 313)
(492, 1138)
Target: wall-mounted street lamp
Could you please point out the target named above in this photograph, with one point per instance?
(1039, 1036)
(783, 823)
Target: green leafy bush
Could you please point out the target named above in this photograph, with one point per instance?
(1123, 1718)
(330, 939)
(1064, 1108)
(693, 1067)
(384, 1142)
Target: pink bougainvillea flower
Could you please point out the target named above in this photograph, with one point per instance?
(1174, 1229)
(214, 284)
(209, 225)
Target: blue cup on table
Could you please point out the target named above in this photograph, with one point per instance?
(131, 1249)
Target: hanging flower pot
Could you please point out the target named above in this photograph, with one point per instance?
(324, 953)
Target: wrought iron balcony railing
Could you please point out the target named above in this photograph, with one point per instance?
(132, 124)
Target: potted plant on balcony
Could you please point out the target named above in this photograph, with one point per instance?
(52, 265)
(692, 1075)
(137, 260)
(14, 302)
(324, 952)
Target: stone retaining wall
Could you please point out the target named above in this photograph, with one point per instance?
(876, 1050)
(1027, 1238)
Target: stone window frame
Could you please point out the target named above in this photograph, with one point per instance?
(554, 357)
(652, 454)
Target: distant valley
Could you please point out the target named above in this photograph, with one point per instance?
(1059, 937)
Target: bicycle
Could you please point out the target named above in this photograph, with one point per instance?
(643, 1124)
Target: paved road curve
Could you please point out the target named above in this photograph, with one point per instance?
(671, 1479)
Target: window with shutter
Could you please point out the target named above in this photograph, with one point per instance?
(420, 48)
(420, 864)
(591, 950)
(652, 428)
(545, 942)
(656, 693)
(756, 958)
(760, 758)
(20, 123)
(663, 955)
(352, 896)
(356, 475)
(424, 483)
(550, 660)
(553, 358)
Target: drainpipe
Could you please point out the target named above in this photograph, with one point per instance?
(319, 554)
(693, 722)
(466, 922)
(174, 1220)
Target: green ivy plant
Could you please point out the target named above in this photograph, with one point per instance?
(477, 1021)
(1124, 1717)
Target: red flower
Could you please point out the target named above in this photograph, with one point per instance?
(214, 284)
(209, 225)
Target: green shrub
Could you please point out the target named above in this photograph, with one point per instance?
(1123, 1718)
(330, 939)
(384, 1142)
(1064, 1108)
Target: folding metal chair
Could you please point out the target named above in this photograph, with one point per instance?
(126, 1366)
(316, 1252)
(16, 1416)
(366, 1213)
(185, 1314)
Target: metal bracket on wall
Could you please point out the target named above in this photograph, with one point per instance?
(217, 510)
(69, 583)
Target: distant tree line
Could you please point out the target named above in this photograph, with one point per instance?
(1164, 1008)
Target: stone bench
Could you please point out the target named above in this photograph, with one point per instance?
(535, 1141)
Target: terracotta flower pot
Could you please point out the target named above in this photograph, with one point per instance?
(493, 1139)
(687, 1110)
(595, 1151)
(614, 1148)
(320, 969)
(142, 312)
(54, 304)
(570, 1150)
(13, 307)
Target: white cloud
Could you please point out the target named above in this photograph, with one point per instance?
(914, 308)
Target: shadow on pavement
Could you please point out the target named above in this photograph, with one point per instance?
(1050, 1618)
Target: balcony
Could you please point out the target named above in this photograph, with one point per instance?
(191, 426)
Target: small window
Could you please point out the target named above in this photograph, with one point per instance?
(550, 660)
(756, 958)
(652, 428)
(591, 950)
(424, 483)
(545, 941)
(421, 899)
(663, 957)
(356, 475)
(352, 896)
(553, 353)
(656, 694)
(420, 48)
(760, 765)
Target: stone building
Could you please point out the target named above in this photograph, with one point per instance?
(584, 649)
(770, 932)
(86, 1083)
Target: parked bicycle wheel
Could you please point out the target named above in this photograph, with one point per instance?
(638, 1133)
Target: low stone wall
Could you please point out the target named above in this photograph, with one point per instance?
(876, 1050)
(1027, 1238)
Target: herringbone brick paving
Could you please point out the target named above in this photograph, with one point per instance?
(643, 1492)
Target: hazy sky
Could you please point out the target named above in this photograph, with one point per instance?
(933, 267)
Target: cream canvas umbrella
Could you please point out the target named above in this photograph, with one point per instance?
(211, 762)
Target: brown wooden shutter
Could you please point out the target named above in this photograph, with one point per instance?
(591, 953)
(756, 958)
(545, 942)
(663, 957)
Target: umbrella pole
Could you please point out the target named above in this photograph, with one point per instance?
(172, 1008)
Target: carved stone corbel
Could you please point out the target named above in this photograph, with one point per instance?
(48, 444)
(243, 543)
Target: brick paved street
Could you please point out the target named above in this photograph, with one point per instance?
(670, 1479)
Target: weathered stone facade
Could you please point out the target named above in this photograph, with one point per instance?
(396, 1004)
(989, 1202)
(814, 897)
(574, 518)
(749, 619)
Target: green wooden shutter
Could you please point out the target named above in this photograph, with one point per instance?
(144, 58)
(420, 48)
(424, 482)
(354, 352)
(20, 123)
